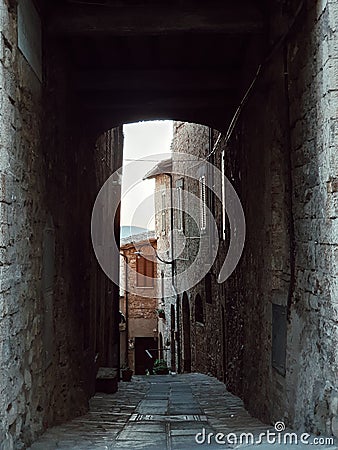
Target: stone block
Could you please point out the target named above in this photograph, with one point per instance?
(333, 403)
(332, 185)
(4, 238)
(334, 426)
(6, 188)
(5, 214)
(107, 380)
(320, 7)
(333, 133)
(313, 302)
(333, 16)
(8, 82)
(7, 443)
(6, 53)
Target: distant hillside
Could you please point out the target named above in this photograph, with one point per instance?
(127, 230)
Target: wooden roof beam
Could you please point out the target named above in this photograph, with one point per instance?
(232, 18)
(164, 80)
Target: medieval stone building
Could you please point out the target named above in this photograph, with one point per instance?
(139, 335)
(234, 353)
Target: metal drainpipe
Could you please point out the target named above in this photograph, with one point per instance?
(173, 265)
(127, 309)
(292, 248)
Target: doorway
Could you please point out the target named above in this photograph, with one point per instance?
(143, 361)
(186, 333)
(172, 338)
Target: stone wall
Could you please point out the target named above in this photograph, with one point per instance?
(48, 185)
(284, 166)
(276, 315)
(23, 402)
(313, 84)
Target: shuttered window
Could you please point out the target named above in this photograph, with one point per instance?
(145, 272)
(163, 214)
(203, 212)
(179, 191)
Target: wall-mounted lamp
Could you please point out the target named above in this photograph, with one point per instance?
(139, 253)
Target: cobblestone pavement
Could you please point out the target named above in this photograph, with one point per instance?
(160, 412)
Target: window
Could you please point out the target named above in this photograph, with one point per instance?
(163, 214)
(203, 211)
(179, 191)
(199, 315)
(145, 272)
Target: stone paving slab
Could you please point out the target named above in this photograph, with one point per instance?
(99, 428)
(122, 445)
(161, 412)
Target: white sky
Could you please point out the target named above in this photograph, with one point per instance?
(142, 139)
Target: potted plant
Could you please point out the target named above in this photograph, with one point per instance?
(161, 313)
(160, 367)
(126, 373)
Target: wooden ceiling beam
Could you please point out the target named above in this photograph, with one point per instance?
(233, 17)
(176, 101)
(164, 80)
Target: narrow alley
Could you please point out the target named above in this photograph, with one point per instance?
(168, 221)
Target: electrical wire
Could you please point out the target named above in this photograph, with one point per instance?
(246, 96)
(260, 68)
